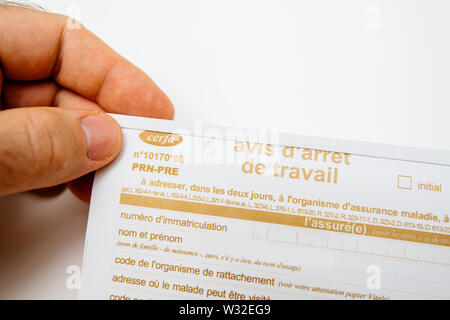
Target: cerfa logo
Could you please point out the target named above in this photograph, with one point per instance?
(160, 138)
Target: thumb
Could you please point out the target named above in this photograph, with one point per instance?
(42, 147)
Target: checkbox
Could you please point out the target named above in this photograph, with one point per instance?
(404, 182)
(260, 232)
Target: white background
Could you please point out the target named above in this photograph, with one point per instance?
(374, 71)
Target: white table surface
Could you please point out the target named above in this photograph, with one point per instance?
(374, 71)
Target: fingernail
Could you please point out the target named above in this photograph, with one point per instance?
(102, 136)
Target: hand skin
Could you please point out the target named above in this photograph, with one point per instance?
(56, 83)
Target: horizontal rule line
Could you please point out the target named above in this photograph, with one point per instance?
(286, 219)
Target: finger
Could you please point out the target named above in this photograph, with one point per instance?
(1, 87)
(50, 191)
(29, 93)
(82, 187)
(43, 93)
(38, 45)
(42, 147)
(68, 99)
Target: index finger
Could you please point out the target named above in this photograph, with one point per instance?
(37, 45)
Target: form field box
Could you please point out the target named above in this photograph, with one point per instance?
(412, 253)
(260, 232)
(381, 247)
(442, 255)
(426, 254)
(365, 246)
(342, 242)
(396, 250)
(312, 238)
(278, 234)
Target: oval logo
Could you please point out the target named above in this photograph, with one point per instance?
(161, 139)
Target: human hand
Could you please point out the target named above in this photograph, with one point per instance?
(55, 85)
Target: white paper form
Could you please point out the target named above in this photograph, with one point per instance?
(189, 211)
